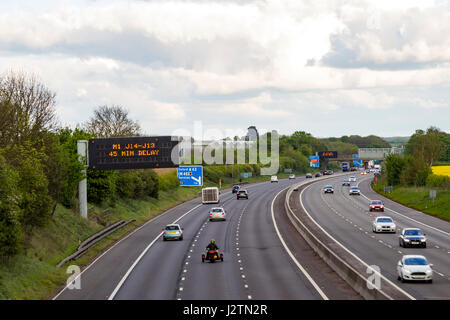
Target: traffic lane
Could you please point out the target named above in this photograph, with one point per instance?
(99, 278)
(437, 255)
(218, 280)
(365, 244)
(334, 287)
(270, 273)
(435, 238)
(221, 280)
(157, 274)
(412, 213)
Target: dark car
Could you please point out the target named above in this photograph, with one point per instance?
(242, 194)
(309, 175)
(318, 174)
(235, 188)
(412, 237)
(353, 169)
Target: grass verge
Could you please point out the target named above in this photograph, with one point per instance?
(418, 198)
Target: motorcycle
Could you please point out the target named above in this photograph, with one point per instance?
(212, 256)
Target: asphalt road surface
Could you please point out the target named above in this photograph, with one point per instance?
(256, 264)
(348, 220)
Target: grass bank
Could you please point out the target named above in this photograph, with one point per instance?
(32, 274)
(418, 198)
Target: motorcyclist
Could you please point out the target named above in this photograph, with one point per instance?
(212, 245)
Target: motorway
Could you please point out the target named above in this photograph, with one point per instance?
(256, 261)
(264, 256)
(347, 219)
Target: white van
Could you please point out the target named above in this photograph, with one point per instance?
(273, 179)
(210, 195)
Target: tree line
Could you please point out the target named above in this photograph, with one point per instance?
(424, 148)
(39, 166)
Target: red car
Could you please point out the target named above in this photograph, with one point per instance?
(376, 205)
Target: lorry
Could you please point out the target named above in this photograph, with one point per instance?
(210, 195)
(345, 166)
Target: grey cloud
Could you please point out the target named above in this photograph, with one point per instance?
(219, 55)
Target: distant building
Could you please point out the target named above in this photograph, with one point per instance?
(252, 134)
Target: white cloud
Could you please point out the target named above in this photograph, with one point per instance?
(261, 60)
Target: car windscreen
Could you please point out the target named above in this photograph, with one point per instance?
(242, 191)
(172, 228)
(216, 210)
(328, 187)
(413, 233)
(384, 220)
(354, 188)
(376, 202)
(416, 261)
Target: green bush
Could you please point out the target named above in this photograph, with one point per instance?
(35, 201)
(438, 181)
(168, 181)
(101, 186)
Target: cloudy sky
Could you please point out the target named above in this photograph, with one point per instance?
(331, 68)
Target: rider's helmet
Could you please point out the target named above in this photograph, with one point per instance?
(213, 241)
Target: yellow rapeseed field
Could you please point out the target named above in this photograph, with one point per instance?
(441, 170)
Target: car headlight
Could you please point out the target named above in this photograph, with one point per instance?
(429, 271)
(406, 240)
(423, 240)
(407, 271)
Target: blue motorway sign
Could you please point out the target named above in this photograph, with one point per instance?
(356, 156)
(357, 163)
(314, 161)
(190, 176)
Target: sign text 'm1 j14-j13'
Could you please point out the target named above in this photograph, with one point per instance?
(133, 153)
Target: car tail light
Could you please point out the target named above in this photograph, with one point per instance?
(223, 213)
(210, 213)
(165, 233)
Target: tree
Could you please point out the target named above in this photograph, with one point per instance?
(394, 167)
(112, 121)
(27, 109)
(426, 146)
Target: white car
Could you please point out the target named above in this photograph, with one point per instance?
(354, 190)
(412, 237)
(273, 179)
(414, 267)
(383, 224)
(352, 179)
(291, 176)
(217, 214)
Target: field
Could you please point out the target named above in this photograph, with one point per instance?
(441, 170)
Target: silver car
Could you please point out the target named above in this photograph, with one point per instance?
(217, 214)
(414, 268)
(383, 224)
(354, 190)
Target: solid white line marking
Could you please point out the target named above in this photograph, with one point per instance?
(119, 285)
(343, 247)
(311, 280)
